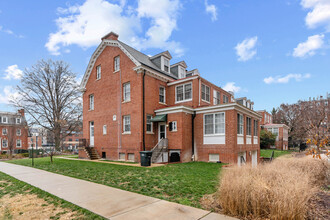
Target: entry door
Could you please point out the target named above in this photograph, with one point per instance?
(91, 134)
(161, 130)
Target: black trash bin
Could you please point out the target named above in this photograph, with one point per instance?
(145, 157)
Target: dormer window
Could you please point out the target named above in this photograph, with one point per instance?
(166, 65)
(182, 72)
(18, 120)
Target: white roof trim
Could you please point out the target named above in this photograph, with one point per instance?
(174, 109)
(96, 54)
(182, 80)
(152, 73)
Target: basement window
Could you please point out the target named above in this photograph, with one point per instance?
(122, 156)
(130, 156)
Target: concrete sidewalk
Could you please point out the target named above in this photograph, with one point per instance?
(104, 200)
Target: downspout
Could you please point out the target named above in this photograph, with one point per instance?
(193, 136)
(143, 110)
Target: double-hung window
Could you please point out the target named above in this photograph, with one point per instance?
(91, 102)
(127, 123)
(4, 143)
(183, 92)
(166, 65)
(149, 123)
(18, 132)
(248, 126)
(117, 63)
(18, 120)
(214, 123)
(4, 120)
(255, 128)
(225, 99)
(98, 72)
(205, 93)
(216, 97)
(4, 131)
(162, 94)
(240, 128)
(127, 92)
(18, 143)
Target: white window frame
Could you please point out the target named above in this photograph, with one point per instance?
(205, 86)
(255, 128)
(162, 87)
(18, 120)
(18, 132)
(6, 131)
(225, 99)
(91, 102)
(174, 126)
(98, 72)
(216, 100)
(105, 131)
(124, 124)
(184, 93)
(248, 126)
(214, 124)
(150, 123)
(5, 121)
(182, 72)
(125, 92)
(165, 60)
(240, 125)
(20, 143)
(4, 141)
(117, 63)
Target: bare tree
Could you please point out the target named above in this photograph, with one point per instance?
(11, 140)
(50, 95)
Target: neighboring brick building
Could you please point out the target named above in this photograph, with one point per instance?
(13, 131)
(71, 142)
(280, 130)
(134, 102)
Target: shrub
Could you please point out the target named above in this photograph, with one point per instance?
(278, 190)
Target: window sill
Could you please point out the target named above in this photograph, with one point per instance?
(240, 135)
(174, 131)
(148, 132)
(248, 136)
(116, 71)
(162, 103)
(91, 110)
(214, 135)
(206, 101)
(183, 101)
(126, 133)
(123, 102)
(98, 79)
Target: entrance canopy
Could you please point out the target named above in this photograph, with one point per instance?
(159, 118)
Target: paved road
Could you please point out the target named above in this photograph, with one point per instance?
(106, 201)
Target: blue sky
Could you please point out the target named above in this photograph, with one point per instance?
(271, 51)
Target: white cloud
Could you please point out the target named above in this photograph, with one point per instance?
(7, 94)
(85, 24)
(309, 47)
(287, 78)
(13, 72)
(319, 14)
(211, 9)
(10, 32)
(246, 49)
(230, 86)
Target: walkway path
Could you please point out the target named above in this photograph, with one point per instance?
(104, 200)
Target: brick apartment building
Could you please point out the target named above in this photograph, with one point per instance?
(280, 130)
(13, 131)
(133, 102)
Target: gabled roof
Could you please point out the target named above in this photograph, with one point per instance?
(165, 54)
(181, 63)
(144, 59)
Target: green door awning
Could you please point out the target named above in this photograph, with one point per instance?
(159, 118)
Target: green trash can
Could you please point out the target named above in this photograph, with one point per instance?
(145, 157)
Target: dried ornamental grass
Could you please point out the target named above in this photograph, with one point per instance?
(278, 190)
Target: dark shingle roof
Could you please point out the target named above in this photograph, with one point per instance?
(144, 59)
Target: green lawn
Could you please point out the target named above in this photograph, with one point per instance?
(277, 153)
(184, 183)
(12, 187)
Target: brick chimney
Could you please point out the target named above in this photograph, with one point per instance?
(21, 112)
(111, 36)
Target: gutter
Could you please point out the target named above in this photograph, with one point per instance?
(193, 136)
(143, 111)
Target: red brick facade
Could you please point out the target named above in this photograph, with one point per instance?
(13, 131)
(281, 142)
(112, 142)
